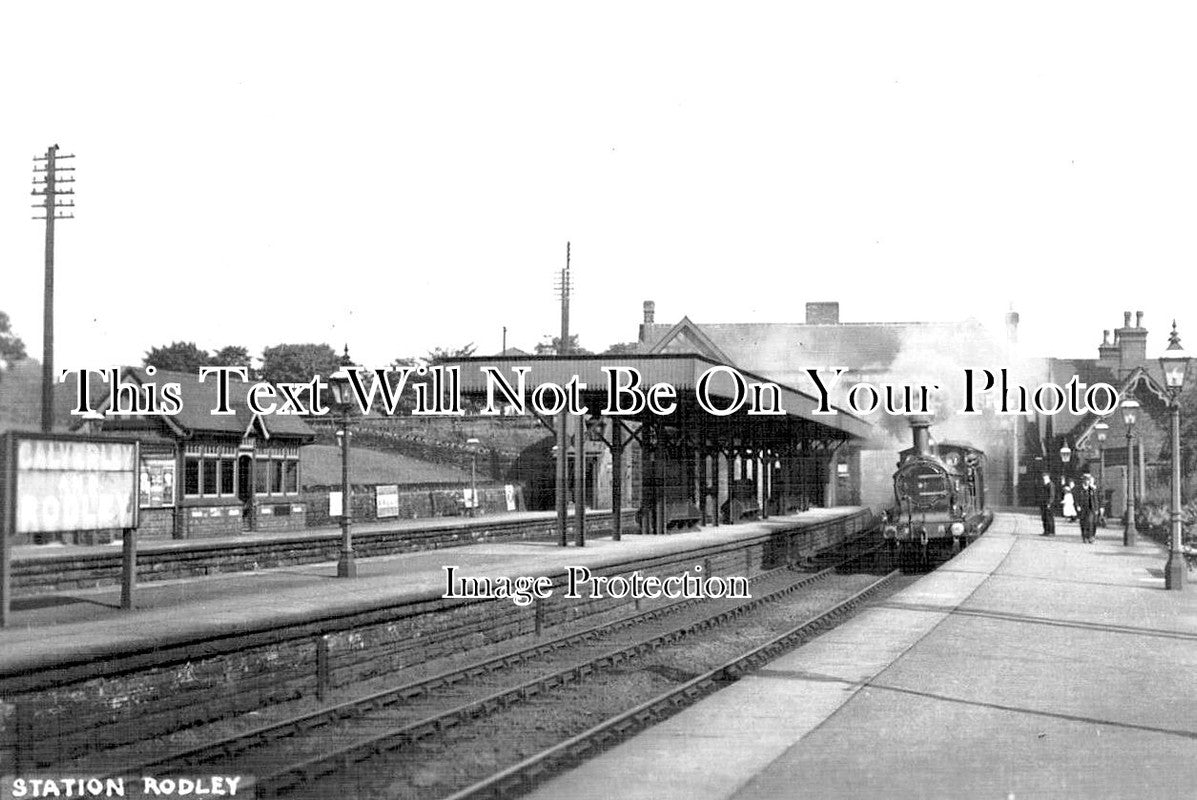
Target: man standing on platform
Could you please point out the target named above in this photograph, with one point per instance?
(1046, 498)
(1088, 505)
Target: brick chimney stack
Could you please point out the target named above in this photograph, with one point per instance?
(825, 313)
(1132, 344)
(650, 315)
(1108, 354)
(1011, 327)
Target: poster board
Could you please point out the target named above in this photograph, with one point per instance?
(386, 501)
(157, 482)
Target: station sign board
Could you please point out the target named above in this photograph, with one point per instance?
(62, 483)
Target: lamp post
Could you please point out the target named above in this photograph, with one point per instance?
(1102, 431)
(1175, 362)
(1065, 457)
(339, 384)
(473, 476)
(1129, 409)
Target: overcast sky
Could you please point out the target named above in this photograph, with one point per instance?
(405, 176)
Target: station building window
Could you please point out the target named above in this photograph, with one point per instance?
(209, 471)
(276, 471)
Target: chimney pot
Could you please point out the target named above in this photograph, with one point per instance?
(1126, 319)
(1105, 337)
(650, 309)
(919, 428)
(825, 313)
(1138, 319)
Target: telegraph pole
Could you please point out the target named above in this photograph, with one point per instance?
(563, 288)
(46, 183)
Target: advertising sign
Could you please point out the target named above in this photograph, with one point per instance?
(157, 482)
(386, 501)
(69, 484)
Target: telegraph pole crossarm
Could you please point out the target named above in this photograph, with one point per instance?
(47, 184)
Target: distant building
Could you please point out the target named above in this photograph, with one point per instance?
(1122, 363)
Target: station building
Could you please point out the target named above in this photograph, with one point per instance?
(204, 474)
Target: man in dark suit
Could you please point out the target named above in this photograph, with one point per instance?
(1046, 500)
(1088, 506)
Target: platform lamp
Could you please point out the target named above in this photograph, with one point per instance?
(93, 422)
(1102, 431)
(1175, 362)
(473, 443)
(338, 382)
(1065, 458)
(1129, 409)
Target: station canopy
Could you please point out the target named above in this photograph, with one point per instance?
(799, 419)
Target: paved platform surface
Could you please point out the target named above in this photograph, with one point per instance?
(1027, 667)
(89, 623)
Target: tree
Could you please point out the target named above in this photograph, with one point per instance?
(553, 347)
(298, 363)
(623, 349)
(234, 356)
(177, 357)
(1188, 432)
(11, 347)
(438, 355)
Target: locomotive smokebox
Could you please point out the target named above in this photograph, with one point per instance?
(920, 430)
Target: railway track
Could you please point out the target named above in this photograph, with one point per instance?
(286, 756)
(525, 775)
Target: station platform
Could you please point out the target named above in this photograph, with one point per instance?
(37, 552)
(1026, 667)
(87, 624)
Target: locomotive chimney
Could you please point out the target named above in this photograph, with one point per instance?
(920, 430)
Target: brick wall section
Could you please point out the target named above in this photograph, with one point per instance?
(212, 521)
(190, 683)
(294, 519)
(156, 524)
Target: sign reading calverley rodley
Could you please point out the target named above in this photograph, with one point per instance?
(75, 484)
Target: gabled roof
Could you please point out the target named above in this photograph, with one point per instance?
(200, 398)
(1138, 383)
(687, 337)
(785, 350)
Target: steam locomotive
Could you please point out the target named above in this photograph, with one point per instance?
(939, 494)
